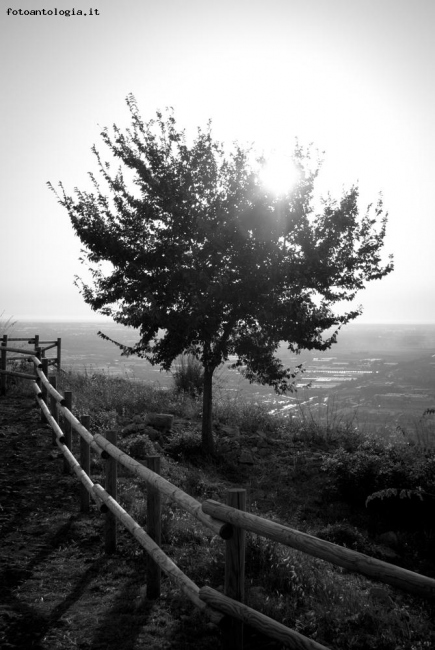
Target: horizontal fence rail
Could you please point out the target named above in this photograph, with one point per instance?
(227, 521)
(7, 348)
(14, 373)
(38, 351)
(77, 426)
(338, 555)
(268, 626)
(173, 493)
(169, 567)
(79, 472)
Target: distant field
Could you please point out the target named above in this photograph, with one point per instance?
(385, 373)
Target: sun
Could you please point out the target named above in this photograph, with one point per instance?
(278, 174)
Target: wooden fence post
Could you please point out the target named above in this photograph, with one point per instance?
(59, 353)
(154, 529)
(53, 407)
(44, 391)
(36, 344)
(38, 355)
(235, 573)
(111, 479)
(67, 430)
(3, 381)
(85, 463)
(40, 384)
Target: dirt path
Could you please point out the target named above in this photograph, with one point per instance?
(57, 588)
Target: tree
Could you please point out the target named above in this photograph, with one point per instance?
(200, 250)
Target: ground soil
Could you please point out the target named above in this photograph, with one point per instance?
(58, 589)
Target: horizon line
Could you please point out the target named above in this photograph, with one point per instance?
(107, 319)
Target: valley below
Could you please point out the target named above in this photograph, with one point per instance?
(382, 376)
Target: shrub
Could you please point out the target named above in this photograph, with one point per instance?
(375, 466)
(184, 445)
(343, 534)
(189, 375)
(355, 474)
(138, 446)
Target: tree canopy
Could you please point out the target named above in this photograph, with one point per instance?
(203, 259)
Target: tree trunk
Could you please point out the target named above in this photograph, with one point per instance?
(207, 431)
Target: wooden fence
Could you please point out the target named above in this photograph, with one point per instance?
(39, 350)
(230, 521)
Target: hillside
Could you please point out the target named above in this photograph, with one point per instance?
(59, 590)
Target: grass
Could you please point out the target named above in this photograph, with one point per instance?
(337, 608)
(6, 324)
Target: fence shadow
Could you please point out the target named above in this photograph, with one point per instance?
(122, 623)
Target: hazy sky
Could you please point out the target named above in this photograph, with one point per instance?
(356, 77)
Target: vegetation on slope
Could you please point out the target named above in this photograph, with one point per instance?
(316, 477)
(312, 476)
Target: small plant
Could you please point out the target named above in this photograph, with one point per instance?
(6, 324)
(393, 492)
(137, 446)
(189, 375)
(184, 446)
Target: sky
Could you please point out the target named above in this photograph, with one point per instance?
(354, 77)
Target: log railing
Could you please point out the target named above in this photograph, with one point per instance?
(39, 350)
(229, 521)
